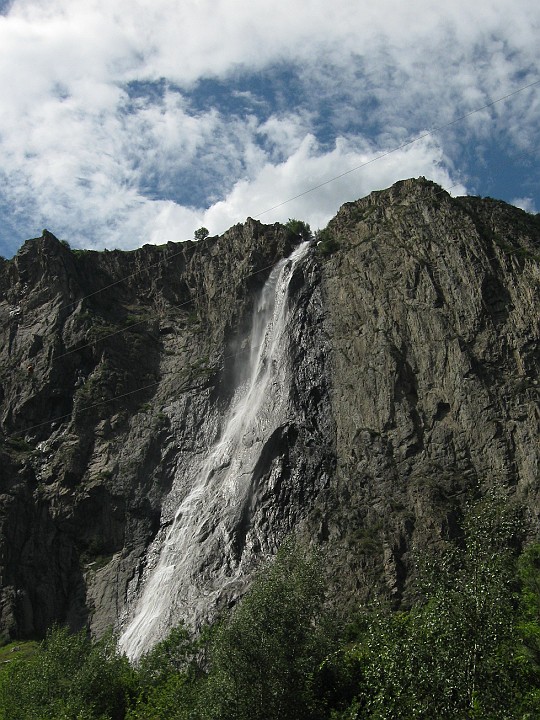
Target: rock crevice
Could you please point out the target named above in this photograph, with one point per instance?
(415, 347)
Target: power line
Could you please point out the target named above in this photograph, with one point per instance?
(198, 295)
(163, 374)
(438, 128)
(123, 279)
(318, 186)
(126, 394)
(148, 318)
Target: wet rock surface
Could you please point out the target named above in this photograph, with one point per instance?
(116, 369)
(415, 348)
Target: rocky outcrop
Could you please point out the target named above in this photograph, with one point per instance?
(415, 343)
(433, 314)
(95, 347)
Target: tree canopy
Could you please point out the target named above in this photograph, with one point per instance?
(470, 648)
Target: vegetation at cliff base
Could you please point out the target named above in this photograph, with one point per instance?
(68, 676)
(470, 648)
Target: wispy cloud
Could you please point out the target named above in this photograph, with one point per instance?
(525, 203)
(308, 167)
(111, 134)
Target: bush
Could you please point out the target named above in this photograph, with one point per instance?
(326, 242)
(297, 229)
(265, 657)
(455, 655)
(201, 234)
(68, 677)
(170, 677)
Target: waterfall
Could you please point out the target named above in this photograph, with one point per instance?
(200, 555)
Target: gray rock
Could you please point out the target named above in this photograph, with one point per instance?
(433, 321)
(414, 338)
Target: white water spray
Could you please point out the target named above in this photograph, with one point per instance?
(199, 557)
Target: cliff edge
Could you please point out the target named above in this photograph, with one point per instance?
(415, 334)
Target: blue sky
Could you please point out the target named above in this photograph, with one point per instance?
(123, 123)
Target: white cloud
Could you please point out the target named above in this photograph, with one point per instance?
(360, 171)
(284, 134)
(525, 203)
(185, 41)
(83, 157)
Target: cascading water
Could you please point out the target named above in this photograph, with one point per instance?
(200, 556)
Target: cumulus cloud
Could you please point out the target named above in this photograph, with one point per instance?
(281, 191)
(105, 140)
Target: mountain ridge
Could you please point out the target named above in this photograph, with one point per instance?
(416, 342)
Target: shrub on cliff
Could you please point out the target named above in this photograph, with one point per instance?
(297, 229)
(326, 242)
(201, 234)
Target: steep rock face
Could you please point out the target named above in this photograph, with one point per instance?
(95, 347)
(433, 315)
(259, 463)
(414, 338)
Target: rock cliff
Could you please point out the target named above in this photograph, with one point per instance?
(433, 310)
(414, 338)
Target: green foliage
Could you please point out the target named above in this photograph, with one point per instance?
(15, 652)
(169, 677)
(265, 657)
(19, 444)
(469, 649)
(297, 229)
(454, 656)
(201, 369)
(101, 330)
(326, 242)
(132, 319)
(175, 654)
(201, 234)
(510, 248)
(67, 678)
(173, 699)
(529, 627)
